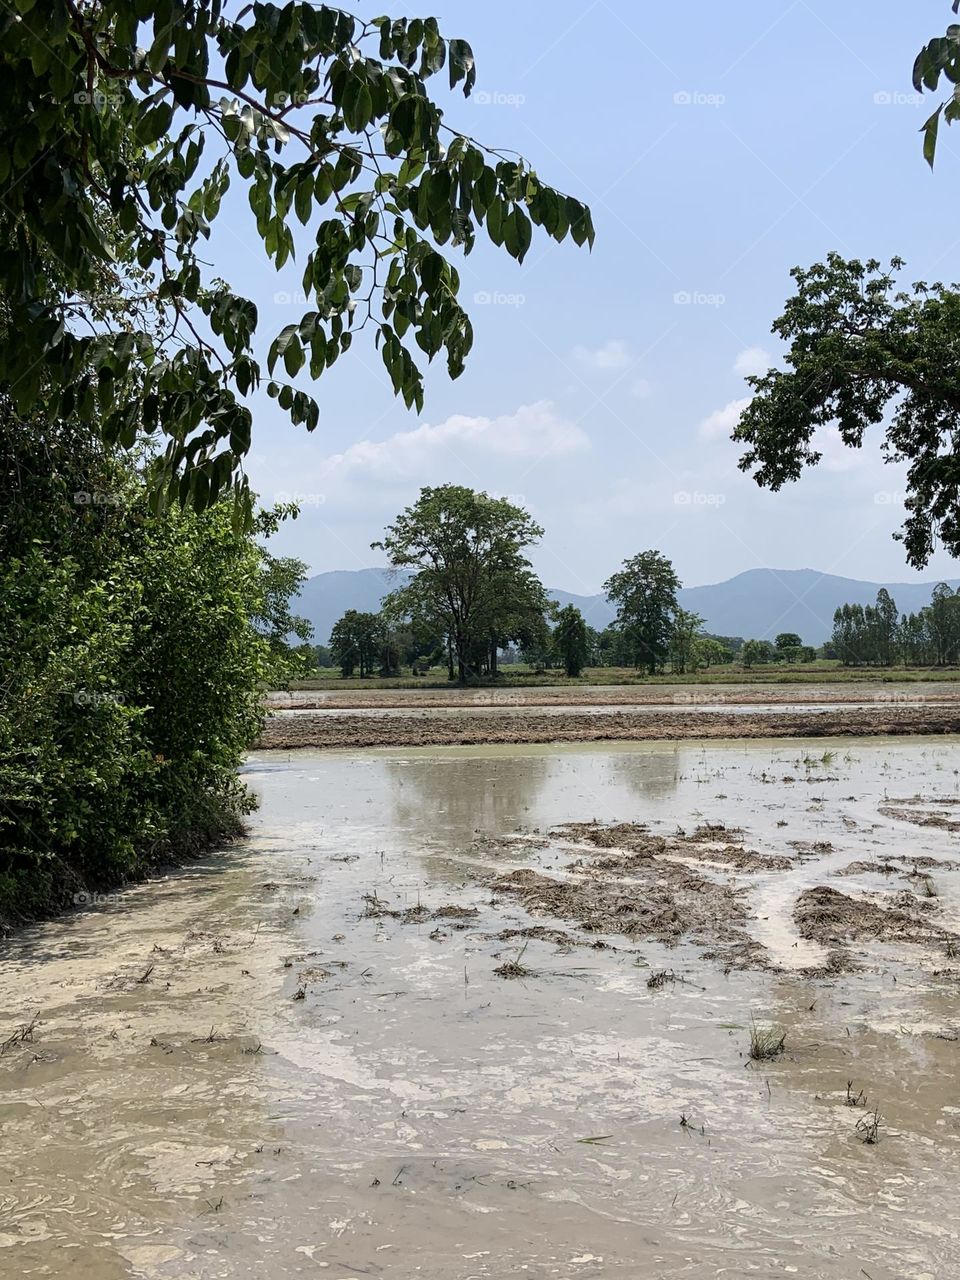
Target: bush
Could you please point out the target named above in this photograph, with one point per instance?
(131, 672)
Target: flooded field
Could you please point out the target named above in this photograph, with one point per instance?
(467, 1013)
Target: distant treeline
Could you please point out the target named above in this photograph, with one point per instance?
(879, 636)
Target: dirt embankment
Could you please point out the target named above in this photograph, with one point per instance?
(518, 725)
(613, 695)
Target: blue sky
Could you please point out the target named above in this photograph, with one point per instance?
(718, 146)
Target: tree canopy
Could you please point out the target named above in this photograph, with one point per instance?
(645, 592)
(862, 353)
(570, 637)
(471, 580)
(356, 641)
(122, 125)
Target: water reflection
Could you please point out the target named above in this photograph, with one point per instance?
(462, 795)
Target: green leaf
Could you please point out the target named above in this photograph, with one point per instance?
(930, 130)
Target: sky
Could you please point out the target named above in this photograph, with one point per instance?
(718, 146)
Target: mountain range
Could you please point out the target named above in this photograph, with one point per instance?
(756, 604)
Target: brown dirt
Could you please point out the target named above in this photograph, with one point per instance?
(344, 730)
(559, 937)
(625, 879)
(637, 889)
(664, 695)
(833, 918)
(375, 908)
(905, 811)
(709, 843)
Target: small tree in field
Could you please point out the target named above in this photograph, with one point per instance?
(356, 641)
(683, 641)
(570, 639)
(787, 640)
(756, 652)
(645, 592)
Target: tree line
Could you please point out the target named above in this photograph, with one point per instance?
(472, 603)
(878, 635)
(472, 596)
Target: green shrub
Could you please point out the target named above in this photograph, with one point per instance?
(130, 671)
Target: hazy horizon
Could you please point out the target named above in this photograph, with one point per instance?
(918, 579)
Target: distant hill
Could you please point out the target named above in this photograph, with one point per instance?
(762, 602)
(756, 604)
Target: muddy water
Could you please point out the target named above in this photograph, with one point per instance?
(177, 1111)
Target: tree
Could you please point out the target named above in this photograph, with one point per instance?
(943, 623)
(756, 652)
(570, 639)
(645, 592)
(614, 648)
(282, 580)
(886, 623)
(471, 579)
(788, 640)
(356, 641)
(122, 126)
(861, 354)
(710, 651)
(683, 640)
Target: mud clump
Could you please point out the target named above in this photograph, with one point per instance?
(374, 908)
(861, 867)
(634, 845)
(905, 811)
(559, 937)
(833, 918)
(670, 904)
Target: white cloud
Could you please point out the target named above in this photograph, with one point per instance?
(721, 422)
(836, 456)
(614, 354)
(752, 360)
(533, 431)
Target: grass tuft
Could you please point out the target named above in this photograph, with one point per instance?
(766, 1042)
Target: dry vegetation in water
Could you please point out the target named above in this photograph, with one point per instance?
(622, 878)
